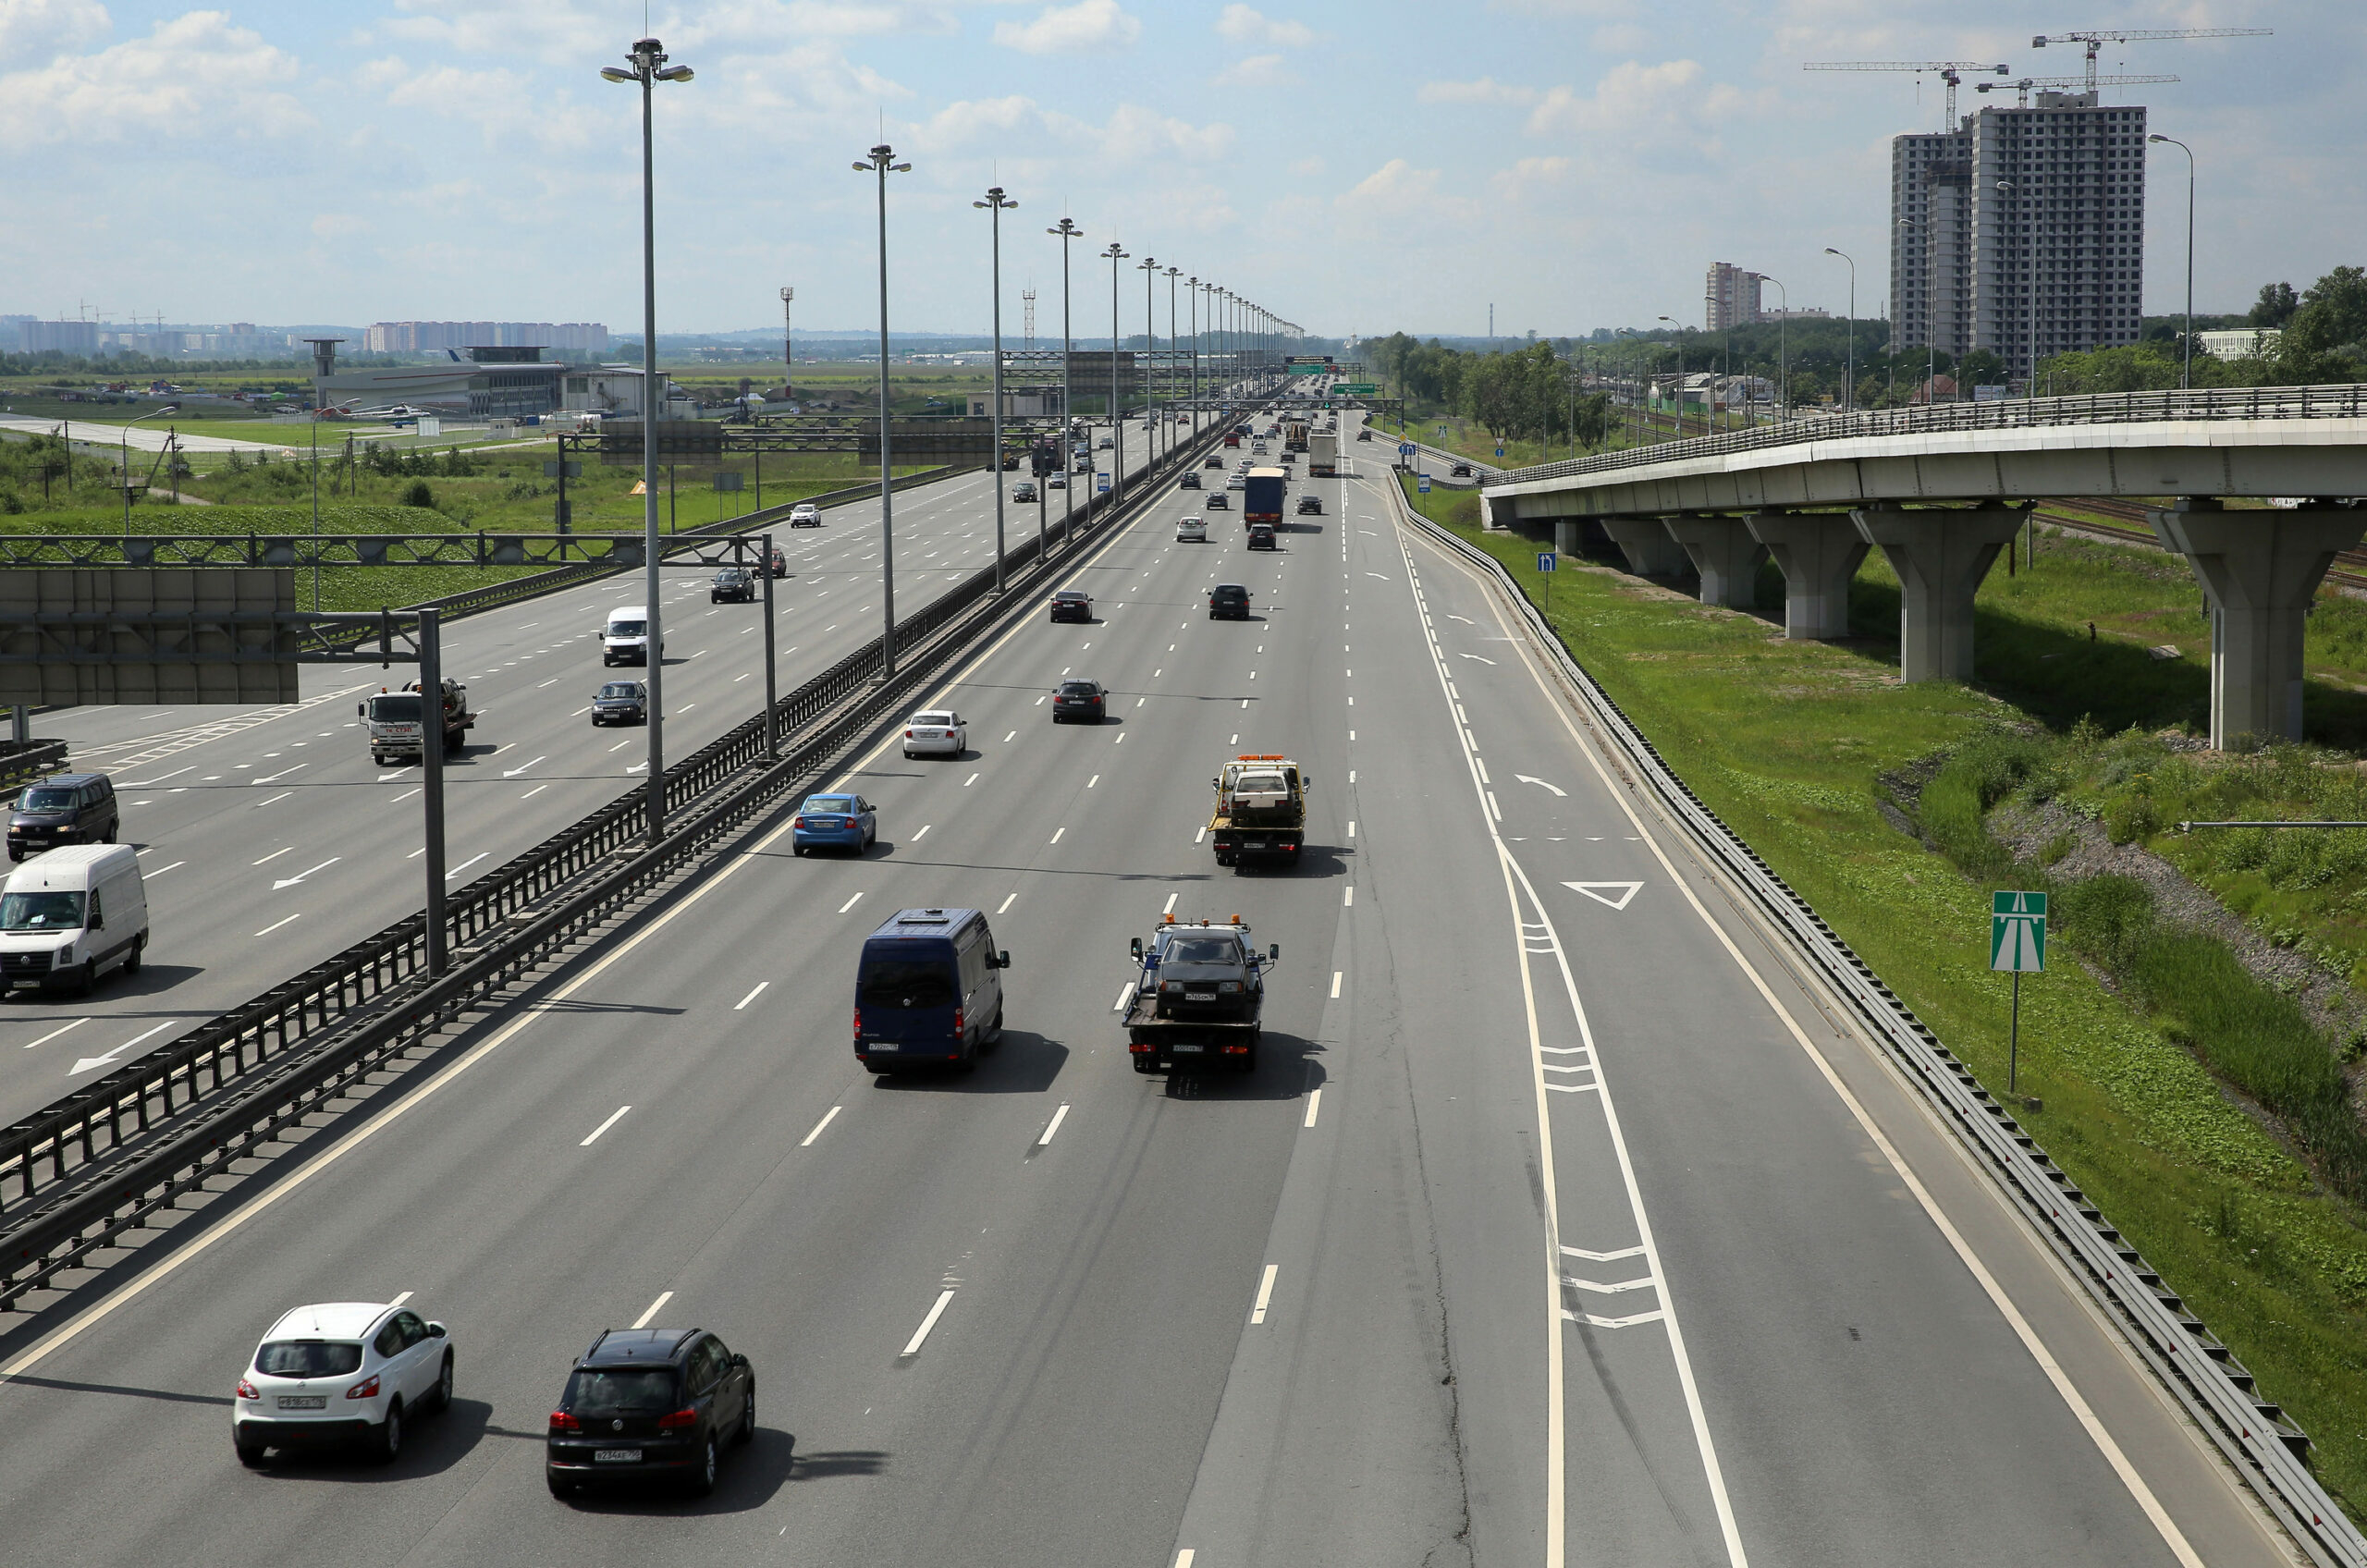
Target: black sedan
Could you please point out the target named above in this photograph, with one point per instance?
(650, 1404)
(1080, 700)
(1072, 604)
(621, 701)
(733, 584)
(1460, 470)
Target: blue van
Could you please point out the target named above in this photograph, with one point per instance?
(928, 991)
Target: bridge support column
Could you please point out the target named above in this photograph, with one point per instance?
(2261, 571)
(1819, 554)
(1941, 555)
(1645, 542)
(1569, 536)
(1724, 554)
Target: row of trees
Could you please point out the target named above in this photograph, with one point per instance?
(1531, 394)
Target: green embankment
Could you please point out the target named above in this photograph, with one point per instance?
(1789, 744)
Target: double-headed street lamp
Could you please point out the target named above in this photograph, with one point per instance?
(1066, 232)
(647, 69)
(1117, 421)
(1849, 392)
(881, 163)
(996, 203)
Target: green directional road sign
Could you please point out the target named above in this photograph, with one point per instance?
(2018, 932)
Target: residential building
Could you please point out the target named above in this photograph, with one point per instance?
(1730, 296)
(588, 338)
(61, 336)
(1931, 181)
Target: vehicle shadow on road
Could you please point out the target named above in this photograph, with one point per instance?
(152, 979)
(121, 1391)
(746, 1480)
(1287, 1068)
(1023, 1063)
(431, 1445)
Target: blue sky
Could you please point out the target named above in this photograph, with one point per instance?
(1354, 166)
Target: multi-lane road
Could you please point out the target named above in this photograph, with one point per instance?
(1559, 1224)
(270, 841)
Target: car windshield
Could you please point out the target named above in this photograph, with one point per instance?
(829, 803)
(1203, 950)
(730, 575)
(41, 912)
(624, 689)
(1232, 591)
(46, 800)
(395, 707)
(906, 983)
(1076, 688)
(308, 1358)
(604, 1390)
(628, 629)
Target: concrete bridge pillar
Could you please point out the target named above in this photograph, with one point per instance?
(1645, 542)
(1569, 536)
(1724, 554)
(1819, 554)
(2261, 571)
(1941, 554)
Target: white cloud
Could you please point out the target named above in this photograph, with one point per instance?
(194, 70)
(34, 30)
(1487, 90)
(1257, 71)
(1240, 24)
(1396, 185)
(1067, 30)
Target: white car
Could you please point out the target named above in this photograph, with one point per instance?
(805, 514)
(1191, 530)
(341, 1372)
(1056, 481)
(939, 730)
(1236, 482)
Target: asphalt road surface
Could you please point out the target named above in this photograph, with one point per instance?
(1557, 1224)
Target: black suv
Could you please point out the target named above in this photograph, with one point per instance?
(734, 584)
(649, 1403)
(1229, 601)
(1310, 506)
(64, 808)
(1261, 537)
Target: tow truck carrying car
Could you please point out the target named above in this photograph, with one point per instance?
(393, 721)
(1261, 808)
(1198, 997)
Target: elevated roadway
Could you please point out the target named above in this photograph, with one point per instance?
(1557, 1225)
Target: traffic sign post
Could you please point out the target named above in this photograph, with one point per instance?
(2017, 944)
(1422, 483)
(1545, 560)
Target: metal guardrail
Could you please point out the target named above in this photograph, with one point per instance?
(22, 762)
(2344, 401)
(78, 1175)
(2201, 1372)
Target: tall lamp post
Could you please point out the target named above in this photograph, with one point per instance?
(1194, 285)
(647, 69)
(1171, 355)
(881, 163)
(1680, 375)
(2185, 372)
(1849, 392)
(1782, 346)
(1066, 232)
(995, 203)
(124, 461)
(1117, 421)
(1149, 269)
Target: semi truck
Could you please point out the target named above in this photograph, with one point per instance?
(1261, 497)
(1261, 809)
(392, 722)
(1198, 996)
(1323, 457)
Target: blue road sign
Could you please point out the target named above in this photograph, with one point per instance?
(1422, 483)
(1545, 560)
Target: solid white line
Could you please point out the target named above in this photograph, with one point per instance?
(1265, 1294)
(276, 799)
(1006, 903)
(275, 855)
(55, 1032)
(912, 1346)
(1314, 1100)
(830, 1116)
(1335, 985)
(655, 1307)
(278, 924)
(466, 863)
(849, 904)
(540, 788)
(1201, 833)
(161, 870)
(1123, 992)
(1058, 1116)
(604, 1126)
(1169, 908)
(751, 996)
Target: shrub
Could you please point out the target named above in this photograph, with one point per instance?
(2128, 816)
(2105, 917)
(418, 493)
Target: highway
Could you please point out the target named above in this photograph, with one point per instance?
(1558, 1225)
(271, 841)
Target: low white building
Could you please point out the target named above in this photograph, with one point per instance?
(2237, 343)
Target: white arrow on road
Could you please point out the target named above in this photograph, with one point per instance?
(87, 1062)
(1541, 783)
(281, 774)
(1376, 574)
(1473, 657)
(514, 772)
(1600, 891)
(292, 881)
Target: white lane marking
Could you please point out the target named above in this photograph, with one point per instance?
(1352, 827)
(162, 777)
(1265, 1293)
(292, 881)
(1092, 781)
(1335, 983)
(1602, 1256)
(923, 832)
(283, 773)
(532, 793)
(655, 1309)
(751, 996)
(276, 799)
(621, 745)
(1008, 738)
(967, 782)
(1497, 810)
(1314, 1102)
(399, 800)
(1465, 620)
(278, 924)
(514, 772)
(849, 904)
(1055, 834)
(1473, 657)
(1478, 762)
(401, 1299)
(827, 1117)
(1058, 1116)
(1598, 891)
(1123, 992)
(1525, 779)
(912, 1346)
(1006, 903)
(55, 1032)
(275, 855)
(1349, 897)
(87, 1062)
(1169, 908)
(616, 1116)
(466, 863)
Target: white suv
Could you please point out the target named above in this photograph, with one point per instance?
(1191, 530)
(805, 514)
(341, 1372)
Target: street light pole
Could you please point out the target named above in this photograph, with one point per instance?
(1117, 422)
(1782, 346)
(123, 438)
(1849, 392)
(1170, 356)
(1680, 374)
(881, 161)
(1149, 269)
(647, 69)
(995, 203)
(1066, 232)
(2185, 372)
(1194, 285)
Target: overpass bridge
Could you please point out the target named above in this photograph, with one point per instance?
(1941, 489)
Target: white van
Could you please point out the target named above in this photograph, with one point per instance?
(71, 914)
(625, 638)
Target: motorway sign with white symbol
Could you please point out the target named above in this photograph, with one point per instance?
(2018, 932)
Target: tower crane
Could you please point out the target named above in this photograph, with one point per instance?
(2064, 84)
(2095, 40)
(1949, 71)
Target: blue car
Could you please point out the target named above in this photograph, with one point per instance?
(843, 822)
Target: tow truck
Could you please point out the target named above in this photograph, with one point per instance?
(1261, 808)
(1199, 992)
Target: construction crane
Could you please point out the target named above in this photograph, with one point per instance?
(1949, 71)
(2064, 84)
(2096, 40)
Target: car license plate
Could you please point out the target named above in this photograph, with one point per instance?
(1199, 996)
(881, 1046)
(303, 1401)
(1185, 1050)
(615, 1456)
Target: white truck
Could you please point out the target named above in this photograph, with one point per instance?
(1322, 456)
(394, 722)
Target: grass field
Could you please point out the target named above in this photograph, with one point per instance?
(1788, 742)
